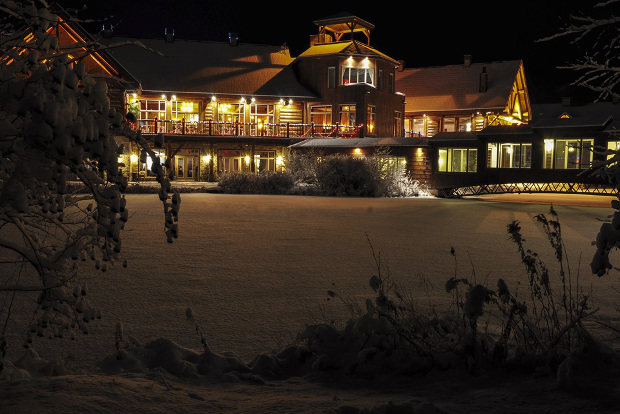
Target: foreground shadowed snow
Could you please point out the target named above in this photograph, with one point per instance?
(255, 270)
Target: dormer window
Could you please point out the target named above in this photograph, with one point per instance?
(358, 71)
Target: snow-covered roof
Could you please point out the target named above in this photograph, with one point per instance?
(599, 115)
(360, 142)
(349, 47)
(209, 67)
(457, 87)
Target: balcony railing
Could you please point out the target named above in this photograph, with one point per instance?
(213, 128)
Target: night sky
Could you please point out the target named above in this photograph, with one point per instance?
(434, 33)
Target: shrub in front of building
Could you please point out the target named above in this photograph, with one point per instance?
(303, 165)
(341, 175)
(237, 182)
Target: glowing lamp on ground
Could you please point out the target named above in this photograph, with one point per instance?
(247, 159)
(206, 159)
(279, 160)
(357, 151)
(133, 158)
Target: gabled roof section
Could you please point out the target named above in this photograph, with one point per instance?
(79, 45)
(183, 66)
(344, 48)
(599, 116)
(457, 87)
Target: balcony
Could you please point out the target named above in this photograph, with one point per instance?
(254, 130)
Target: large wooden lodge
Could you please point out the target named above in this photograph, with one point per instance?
(233, 106)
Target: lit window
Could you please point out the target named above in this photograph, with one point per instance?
(231, 118)
(568, 153)
(457, 160)
(151, 110)
(347, 115)
(262, 118)
(449, 124)
(613, 146)
(464, 123)
(321, 114)
(265, 161)
(371, 118)
(418, 126)
(354, 72)
(508, 155)
(184, 109)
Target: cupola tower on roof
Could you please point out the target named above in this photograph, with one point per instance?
(332, 29)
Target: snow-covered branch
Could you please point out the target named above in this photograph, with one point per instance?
(599, 33)
(57, 125)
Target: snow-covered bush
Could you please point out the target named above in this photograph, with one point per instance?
(56, 122)
(268, 182)
(341, 175)
(303, 165)
(375, 175)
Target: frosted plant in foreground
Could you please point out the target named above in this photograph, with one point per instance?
(57, 125)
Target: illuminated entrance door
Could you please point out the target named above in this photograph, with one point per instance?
(186, 165)
(231, 160)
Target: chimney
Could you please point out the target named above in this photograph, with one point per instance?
(107, 30)
(233, 39)
(484, 80)
(169, 34)
(401, 65)
(467, 60)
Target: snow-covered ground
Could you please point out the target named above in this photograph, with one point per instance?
(256, 269)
